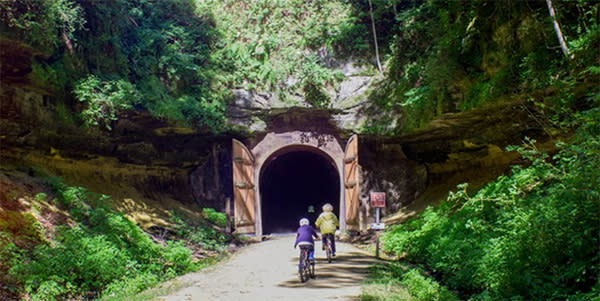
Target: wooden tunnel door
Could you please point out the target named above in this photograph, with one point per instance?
(244, 195)
(351, 183)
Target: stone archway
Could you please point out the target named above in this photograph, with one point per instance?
(252, 161)
(324, 144)
(292, 179)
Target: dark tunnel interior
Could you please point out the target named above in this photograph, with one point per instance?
(290, 183)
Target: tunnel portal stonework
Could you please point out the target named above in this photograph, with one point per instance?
(278, 143)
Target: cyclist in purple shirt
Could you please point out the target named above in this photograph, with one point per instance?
(304, 237)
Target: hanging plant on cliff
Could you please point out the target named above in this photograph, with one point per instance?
(104, 99)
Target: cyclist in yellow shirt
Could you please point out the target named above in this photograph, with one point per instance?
(327, 223)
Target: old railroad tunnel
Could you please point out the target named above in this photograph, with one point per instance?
(290, 182)
(276, 181)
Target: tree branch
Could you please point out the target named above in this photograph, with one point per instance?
(559, 35)
(375, 38)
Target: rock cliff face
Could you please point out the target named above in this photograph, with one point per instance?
(151, 166)
(421, 167)
(252, 110)
(148, 165)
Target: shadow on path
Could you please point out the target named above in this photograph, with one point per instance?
(347, 269)
(269, 271)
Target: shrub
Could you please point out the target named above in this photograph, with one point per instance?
(102, 254)
(203, 235)
(49, 290)
(105, 99)
(178, 258)
(129, 286)
(532, 234)
(423, 288)
(217, 218)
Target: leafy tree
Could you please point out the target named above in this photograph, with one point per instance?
(448, 56)
(166, 48)
(42, 24)
(161, 49)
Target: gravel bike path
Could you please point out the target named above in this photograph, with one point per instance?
(269, 271)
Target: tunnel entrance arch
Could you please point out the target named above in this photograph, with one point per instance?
(292, 179)
(248, 165)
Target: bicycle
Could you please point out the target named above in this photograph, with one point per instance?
(328, 247)
(306, 267)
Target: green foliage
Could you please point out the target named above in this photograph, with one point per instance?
(217, 218)
(105, 99)
(203, 235)
(403, 283)
(185, 57)
(49, 290)
(178, 258)
(284, 47)
(449, 56)
(423, 288)
(131, 285)
(42, 75)
(79, 261)
(9, 255)
(43, 24)
(168, 60)
(101, 253)
(533, 234)
(128, 49)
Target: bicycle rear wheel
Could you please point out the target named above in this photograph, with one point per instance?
(307, 266)
(328, 250)
(302, 266)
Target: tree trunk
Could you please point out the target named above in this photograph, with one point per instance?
(375, 38)
(561, 38)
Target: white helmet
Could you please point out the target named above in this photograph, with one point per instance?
(304, 221)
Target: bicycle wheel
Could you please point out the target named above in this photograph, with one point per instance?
(312, 270)
(302, 266)
(328, 250)
(307, 270)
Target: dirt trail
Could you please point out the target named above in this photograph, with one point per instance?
(268, 271)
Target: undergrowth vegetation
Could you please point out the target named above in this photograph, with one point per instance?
(398, 281)
(45, 25)
(96, 251)
(204, 236)
(533, 234)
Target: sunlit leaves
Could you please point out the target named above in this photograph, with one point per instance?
(533, 234)
(43, 24)
(105, 99)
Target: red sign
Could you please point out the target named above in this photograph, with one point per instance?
(378, 199)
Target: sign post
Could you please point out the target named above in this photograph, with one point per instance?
(378, 202)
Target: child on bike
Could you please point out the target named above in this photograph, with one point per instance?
(327, 223)
(304, 238)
